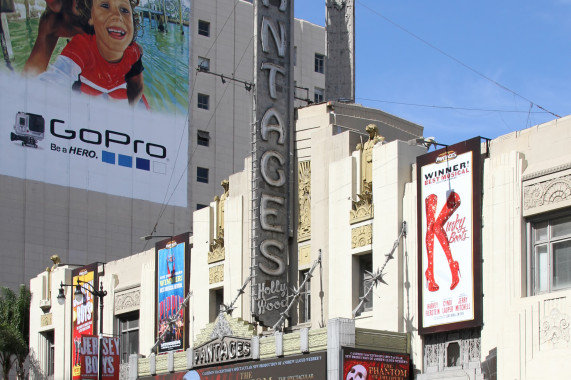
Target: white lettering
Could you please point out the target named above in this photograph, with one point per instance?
(265, 212)
(273, 70)
(279, 40)
(266, 127)
(264, 249)
(265, 166)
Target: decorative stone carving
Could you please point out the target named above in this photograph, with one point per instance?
(304, 194)
(363, 208)
(224, 326)
(127, 301)
(367, 153)
(555, 190)
(216, 274)
(435, 349)
(46, 320)
(217, 251)
(304, 257)
(555, 328)
(362, 236)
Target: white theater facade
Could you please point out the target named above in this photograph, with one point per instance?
(465, 273)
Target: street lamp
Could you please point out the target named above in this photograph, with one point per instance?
(78, 295)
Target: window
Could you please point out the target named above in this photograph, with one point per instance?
(49, 340)
(295, 55)
(204, 28)
(318, 95)
(203, 101)
(202, 174)
(365, 282)
(550, 259)
(319, 63)
(305, 298)
(203, 138)
(216, 301)
(203, 64)
(128, 330)
(200, 206)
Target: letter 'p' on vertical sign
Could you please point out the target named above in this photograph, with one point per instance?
(271, 144)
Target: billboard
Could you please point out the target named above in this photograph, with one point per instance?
(271, 166)
(361, 364)
(172, 265)
(310, 366)
(110, 353)
(104, 107)
(83, 315)
(449, 230)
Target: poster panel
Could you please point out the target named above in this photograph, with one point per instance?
(449, 224)
(94, 111)
(110, 353)
(361, 364)
(311, 366)
(83, 314)
(172, 259)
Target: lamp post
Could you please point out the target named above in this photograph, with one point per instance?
(78, 294)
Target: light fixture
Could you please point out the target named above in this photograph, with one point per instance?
(222, 77)
(149, 237)
(78, 294)
(61, 296)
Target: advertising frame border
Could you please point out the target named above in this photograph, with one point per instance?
(181, 238)
(471, 145)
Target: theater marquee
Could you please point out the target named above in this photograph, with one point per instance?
(449, 228)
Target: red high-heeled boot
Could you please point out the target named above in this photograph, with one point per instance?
(452, 204)
(430, 203)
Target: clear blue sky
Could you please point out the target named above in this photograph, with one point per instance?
(523, 45)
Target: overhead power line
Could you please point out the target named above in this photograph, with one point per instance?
(455, 59)
(451, 107)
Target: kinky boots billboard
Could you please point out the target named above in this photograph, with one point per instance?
(271, 166)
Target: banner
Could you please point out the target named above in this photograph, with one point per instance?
(110, 354)
(172, 260)
(310, 366)
(449, 256)
(360, 364)
(83, 314)
(101, 108)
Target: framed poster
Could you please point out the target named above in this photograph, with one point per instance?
(359, 364)
(172, 266)
(449, 238)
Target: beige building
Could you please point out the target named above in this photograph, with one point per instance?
(352, 225)
(81, 226)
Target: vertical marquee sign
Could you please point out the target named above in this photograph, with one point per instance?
(83, 312)
(172, 263)
(271, 142)
(449, 238)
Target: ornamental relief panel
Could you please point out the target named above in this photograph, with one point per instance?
(554, 329)
(362, 236)
(127, 301)
(553, 192)
(216, 274)
(304, 199)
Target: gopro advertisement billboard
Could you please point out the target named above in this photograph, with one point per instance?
(449, 256)
(374, 365)
(172, 263)
(83, 314)
(97, 102)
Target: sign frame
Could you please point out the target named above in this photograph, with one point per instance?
(438, 172)
(160, 250)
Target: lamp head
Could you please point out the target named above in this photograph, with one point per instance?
(78, 294)
(61, 296)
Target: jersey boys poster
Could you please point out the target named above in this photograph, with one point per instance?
(172, 265)
(449, 198)
(83, 315)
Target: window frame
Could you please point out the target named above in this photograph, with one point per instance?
(319, 63)
(318, 95)
(533, 272)
(203, 64)
(202, 138)
(203, 101)
(124, 348)
(305, 298)
(363, 278)
(200, 177)
(204, 31)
